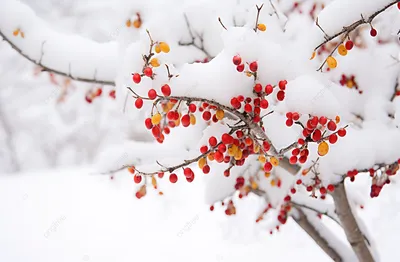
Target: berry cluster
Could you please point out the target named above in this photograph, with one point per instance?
(92, 94)
(350, 82)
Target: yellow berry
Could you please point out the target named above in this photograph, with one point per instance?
(323, 148)
(154, 62)
(273, 182)
(202, 162)
(211, 156)
(128, 23)
(254, 185)
(261, 27)
(238, 154)
(274, 161)
(157, 49)
(313, 55)
(192, 119)
(262, 159)
(267, 174)
(256, 149)
(342, 50)
(220, 114)
(164, 47)
(156, 119)
(331, 61)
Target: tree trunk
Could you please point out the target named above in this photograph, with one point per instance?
(349, 224)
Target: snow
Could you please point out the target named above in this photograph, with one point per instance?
(72, 54)
(70, 215)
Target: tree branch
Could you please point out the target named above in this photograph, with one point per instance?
(353, 26)
(349, 224)
(323, 243)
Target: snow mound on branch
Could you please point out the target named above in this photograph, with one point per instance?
(73, 54)
(307, 95)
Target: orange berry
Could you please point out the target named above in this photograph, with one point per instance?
(164, 47)
(342, 50)
(323, 148)
(156, 119)
(331, 61)
(137, 23)
(128, 23)
(261, 27)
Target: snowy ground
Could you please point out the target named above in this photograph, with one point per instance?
(74, 215)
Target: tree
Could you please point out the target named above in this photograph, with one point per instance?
(242, 75)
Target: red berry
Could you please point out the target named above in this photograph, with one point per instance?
(301, 141)
(240, 98)
(148, 72)
(373, 32)
(266, 146)
(323, 120)
(136, 78)
(269, 89)
(185, 120)
(316, 136)
(137, 178)
(281, 95)
(148, 123)
(203, 149)
(227, 173)
(341, 132)
(349, 45)
(267, 167)
(152, 94)
(240, 68)
(333, 138)
(332, 126)
(253, 66)
(293, 160)
(192, 108)
(248, 108)
(282, 84)
(237, 60)
(264, 104)
(212, 141)
(166, 90)
(206, 115)
(331, 188)
(289, 122)
(227, 139)
(211, 208)
(139, 103)
(295, 116)
(295, 151)
(173, 178)
(258, 88)
(398, 5)
(156, 131)
(188, 172)
(322, 190)
(235, 103)
(206, 169)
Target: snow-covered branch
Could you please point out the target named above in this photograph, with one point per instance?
(73, 56)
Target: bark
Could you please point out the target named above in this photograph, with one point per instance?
(323, 243)
(350, 226)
